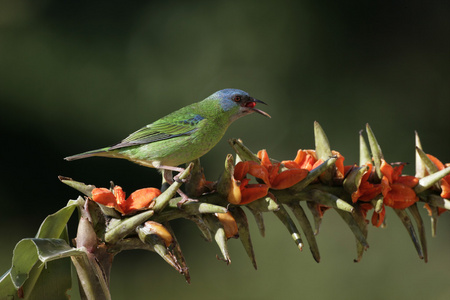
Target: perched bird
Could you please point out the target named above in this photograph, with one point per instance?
(183, 135)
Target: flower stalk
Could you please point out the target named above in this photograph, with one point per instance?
(110, 222)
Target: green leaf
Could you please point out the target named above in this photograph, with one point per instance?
(323, 151)
(376, 150)
(331, 200)
(54, 281)
(355, 227)
(427, 163)
(119, 229)
(25, 256)
(314, 208)
(190, 208)
(55, 224)
(314, 174)
(428, 181)
(206, 233)
(7, 288)
(420, 167)
(302, 219)
(179, 257)
(31, 252)
(353, 179)
(31, 270)
(435, 201)
(415, 213)
(361, 221)
(410, 228)
(31, 255)
(258, 219)
(377, 203)
(79, 186)
(438, 201)
(219, 235)
(265, 204)
(284, 217)
(225, 182)
(159, 246)
(244, 232)
(242, 151)
(364, 153)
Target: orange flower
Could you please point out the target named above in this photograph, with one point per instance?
(138, 200)
(366, 190)
(319, 208)
(365, 207)
(445, 185)
(440, 210)
(251, 192)
(445, 182)
(244, 192)
(397, 190)
(339, 164)
(305, 159)
(377, 218)
(285, 179)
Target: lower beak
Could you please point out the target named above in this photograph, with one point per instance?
(258, 110)
(261, 112)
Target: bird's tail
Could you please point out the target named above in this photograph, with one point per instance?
(98, 152)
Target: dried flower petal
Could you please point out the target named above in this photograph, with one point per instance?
(229, 224)
(158, 229)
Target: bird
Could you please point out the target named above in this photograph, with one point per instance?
(183, 135)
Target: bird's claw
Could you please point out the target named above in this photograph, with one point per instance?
(184, 200)
(179, 180)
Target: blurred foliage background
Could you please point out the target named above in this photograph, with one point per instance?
(78, 75)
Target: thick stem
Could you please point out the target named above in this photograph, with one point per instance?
(93, 278)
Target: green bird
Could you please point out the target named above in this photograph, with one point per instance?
(183, 135)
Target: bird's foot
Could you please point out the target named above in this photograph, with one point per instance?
(177, 178)
(184, 199)
(167, 174)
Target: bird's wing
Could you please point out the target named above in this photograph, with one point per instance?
(162, 129)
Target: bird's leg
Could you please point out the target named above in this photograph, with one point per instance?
(168, 176)
(167, 173)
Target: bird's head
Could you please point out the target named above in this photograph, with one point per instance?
(238, 102)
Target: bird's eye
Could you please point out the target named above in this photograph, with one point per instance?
(237, 98)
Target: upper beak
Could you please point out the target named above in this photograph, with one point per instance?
(258, 110)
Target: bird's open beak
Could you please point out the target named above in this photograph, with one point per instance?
(252, 107)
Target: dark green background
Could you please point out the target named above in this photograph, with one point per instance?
(78, 75)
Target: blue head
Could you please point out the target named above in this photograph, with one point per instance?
(238, 101)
